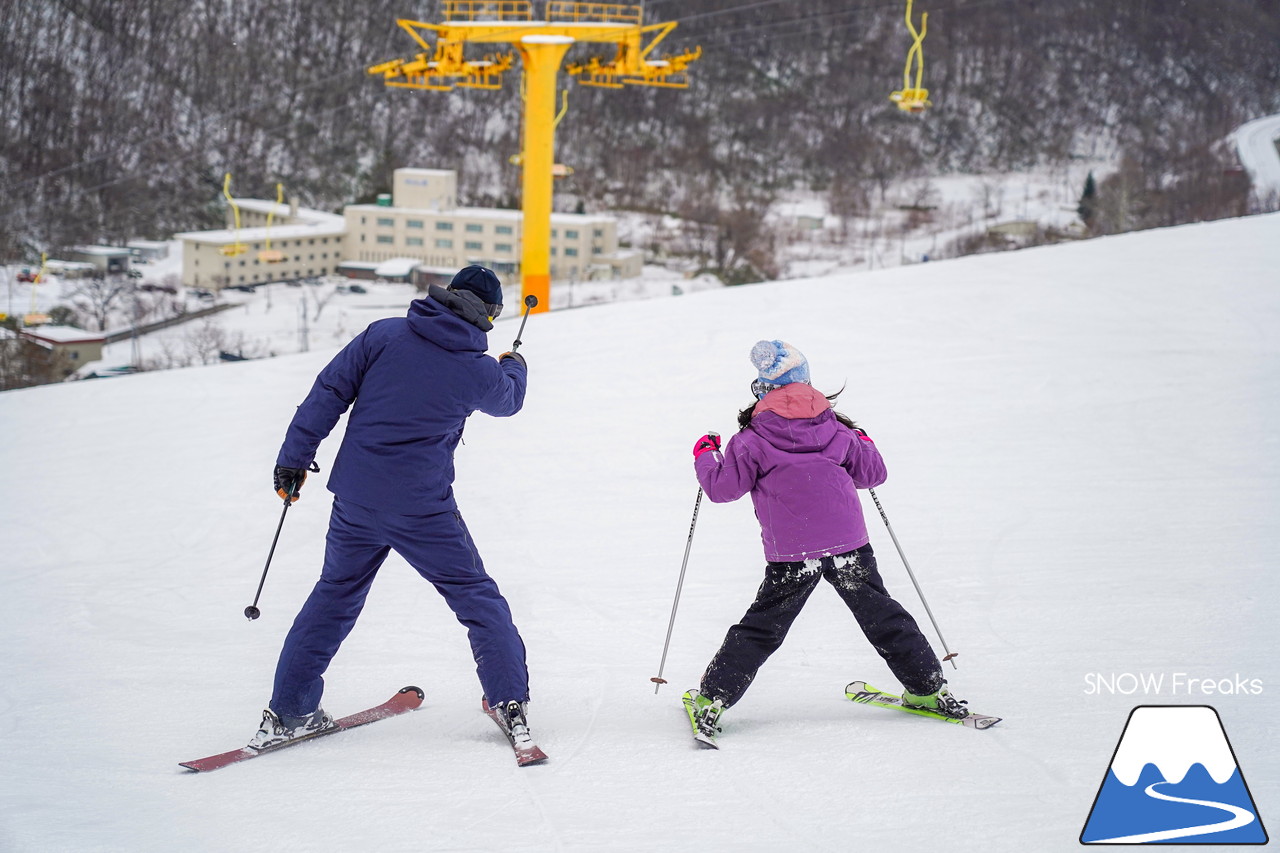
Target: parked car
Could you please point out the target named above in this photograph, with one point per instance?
(26, 275)
(357, 288)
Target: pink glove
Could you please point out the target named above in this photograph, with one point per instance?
(710, 441)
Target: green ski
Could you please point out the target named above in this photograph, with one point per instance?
(865, 694)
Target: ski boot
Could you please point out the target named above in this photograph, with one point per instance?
(704, 715)
(941, 702)
(277, 728)
(512, 716)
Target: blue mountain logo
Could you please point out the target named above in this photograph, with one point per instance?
(1173, 779)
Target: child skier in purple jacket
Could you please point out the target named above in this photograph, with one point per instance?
(803, 463)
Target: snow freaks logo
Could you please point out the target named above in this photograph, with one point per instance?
(1173, 779)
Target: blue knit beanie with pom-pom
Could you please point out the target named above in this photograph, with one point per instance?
(779, 363)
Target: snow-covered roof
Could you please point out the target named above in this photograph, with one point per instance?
(502, 213)
(101, 250)
(395, 267)
(63, 335)
(275, 232)
(259, 205)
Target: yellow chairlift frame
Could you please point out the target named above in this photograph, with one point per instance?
(914, 99)
(34, 317)
(236, 248)
(270, 255)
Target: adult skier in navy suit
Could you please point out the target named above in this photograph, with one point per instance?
(413, 381)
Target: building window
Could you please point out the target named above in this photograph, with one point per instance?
(596, 250)
(386, 222)
(599, 232)
(502, 247)
(444, 244)
(413, 223)
(502, 229)
(554, 233)
(386, 238)
(413, 241)
(570, 235)
(474, 246)
(444, 226)
(474, 228)
(572, 253)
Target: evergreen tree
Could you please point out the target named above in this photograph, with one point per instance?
(1088, 208)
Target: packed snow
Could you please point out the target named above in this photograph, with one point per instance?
(1083, 460)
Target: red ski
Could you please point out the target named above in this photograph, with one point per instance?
(525, 755)
(408, 699)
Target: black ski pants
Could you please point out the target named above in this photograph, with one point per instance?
(786, 588)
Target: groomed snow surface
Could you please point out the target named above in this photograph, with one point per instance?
(1083, 455)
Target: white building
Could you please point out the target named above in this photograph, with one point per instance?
(298, 243)
(419, 220)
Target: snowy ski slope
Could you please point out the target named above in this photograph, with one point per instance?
(1083, 456)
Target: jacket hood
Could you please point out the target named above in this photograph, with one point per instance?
(797, 418)
(794, 400)
(436, 323)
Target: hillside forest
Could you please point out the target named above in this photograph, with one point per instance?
(118, 119)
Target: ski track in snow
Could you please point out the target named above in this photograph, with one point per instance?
(1240, 817)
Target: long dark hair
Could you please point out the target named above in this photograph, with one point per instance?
(745, 415)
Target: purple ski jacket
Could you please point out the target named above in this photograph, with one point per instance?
(803, 469)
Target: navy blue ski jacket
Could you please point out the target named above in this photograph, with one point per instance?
(414, 381)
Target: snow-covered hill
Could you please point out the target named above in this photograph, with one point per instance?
(1083, 472)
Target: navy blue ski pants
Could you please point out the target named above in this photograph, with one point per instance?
(786, 588)
(441, 550)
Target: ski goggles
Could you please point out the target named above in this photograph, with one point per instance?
(494, 310)
(759, 388)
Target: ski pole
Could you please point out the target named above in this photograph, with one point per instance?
(658, 680)
(530, 301)
(951, 656)
(252, 612)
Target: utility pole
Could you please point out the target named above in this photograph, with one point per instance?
(303, 342)
(542, 44)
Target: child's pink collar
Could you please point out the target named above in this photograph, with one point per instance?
(794, 401)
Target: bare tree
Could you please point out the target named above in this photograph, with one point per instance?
(205, 340)
(95, 298)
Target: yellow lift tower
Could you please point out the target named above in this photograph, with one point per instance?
(542, 44)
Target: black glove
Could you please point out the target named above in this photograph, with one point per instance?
(517, 356)
(289, 481)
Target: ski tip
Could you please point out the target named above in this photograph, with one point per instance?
(416, 690)
(531, 757)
